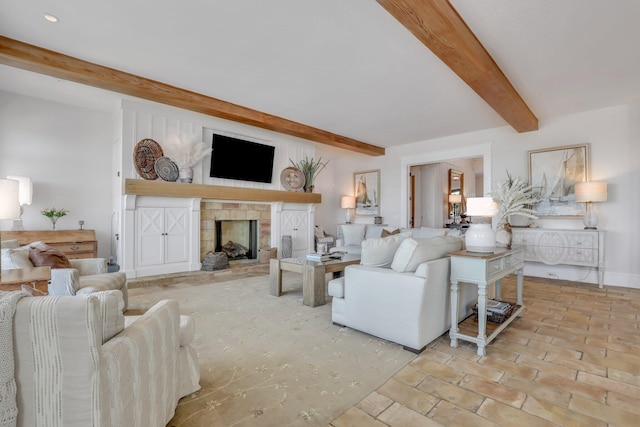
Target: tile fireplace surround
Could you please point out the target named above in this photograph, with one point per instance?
(212, 211)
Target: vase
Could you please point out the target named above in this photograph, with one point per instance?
(185, 174)
(53, 223)
(287, 246)
(519, 221)
(308, 189)
(503, 235)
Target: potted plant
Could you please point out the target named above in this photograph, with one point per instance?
(54, 214)
(515, 198)
(310, 169)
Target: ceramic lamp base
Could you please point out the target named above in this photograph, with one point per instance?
(480, 238)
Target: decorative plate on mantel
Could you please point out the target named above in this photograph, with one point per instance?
(292, 179)
(166, 169)
(145, 154)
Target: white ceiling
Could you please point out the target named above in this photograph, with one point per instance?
(347, 67)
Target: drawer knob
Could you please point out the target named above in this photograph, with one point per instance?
(74, 248)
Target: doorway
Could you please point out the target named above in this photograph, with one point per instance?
(424, 185)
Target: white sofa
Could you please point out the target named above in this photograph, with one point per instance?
(84, 277)
(404, 300)
(77, 365)
(351, 236)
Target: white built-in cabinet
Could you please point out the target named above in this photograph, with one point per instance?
(162, 236)
(295, 220)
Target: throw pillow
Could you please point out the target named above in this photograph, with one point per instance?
(386, 232)
(33, 291)
(373, 231)
(9, 244)
(353, 234)
(413, 252)
(427, 232)
(379, 252)
(454, 232)
(49, 256)
(15, 258)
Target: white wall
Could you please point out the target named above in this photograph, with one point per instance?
(67, 152)
(613, 134)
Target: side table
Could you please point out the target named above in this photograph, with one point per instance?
(313, 276)
(482, 269)
(35, 277)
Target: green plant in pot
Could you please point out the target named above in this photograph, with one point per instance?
(310, 168)
(515, 197)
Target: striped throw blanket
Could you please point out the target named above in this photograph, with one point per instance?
(8, 407)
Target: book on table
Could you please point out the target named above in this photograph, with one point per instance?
(497, 306)
(322, 257)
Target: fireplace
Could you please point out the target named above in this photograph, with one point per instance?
(213, 211)
(237, 238)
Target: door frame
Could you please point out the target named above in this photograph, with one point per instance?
(479, 150)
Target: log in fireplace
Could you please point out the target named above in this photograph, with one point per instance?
(235, 236)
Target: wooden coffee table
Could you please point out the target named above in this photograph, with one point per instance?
(313, 276)
(35, 277)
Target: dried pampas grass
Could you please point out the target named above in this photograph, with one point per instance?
(186, 151)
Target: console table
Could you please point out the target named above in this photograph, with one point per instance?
(73, 243)
(482, 269)
(583, 248)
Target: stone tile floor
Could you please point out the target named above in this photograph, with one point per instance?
(573, 359)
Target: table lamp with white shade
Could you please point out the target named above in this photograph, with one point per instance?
(25, 196)
(348, 203)
(589, 192)
(480, 237)
(455, 200)
(9, 200)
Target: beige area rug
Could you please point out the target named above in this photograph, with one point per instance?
(269, 361)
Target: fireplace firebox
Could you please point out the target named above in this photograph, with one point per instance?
(237, 234)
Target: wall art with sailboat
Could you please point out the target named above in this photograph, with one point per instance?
(554, 172)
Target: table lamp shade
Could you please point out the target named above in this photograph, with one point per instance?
(348, 202)
(25, 189)
(9, 199)
(455, 198)
(591, 191)
(481, 206)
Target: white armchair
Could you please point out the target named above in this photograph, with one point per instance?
(87, 276)
(84, 277)
(76, 362)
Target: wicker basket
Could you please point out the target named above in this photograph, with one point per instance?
(493, 316)
(267, 254)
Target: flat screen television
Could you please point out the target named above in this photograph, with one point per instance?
(234, 158)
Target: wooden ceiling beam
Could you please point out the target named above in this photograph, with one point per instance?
(44, 61)
(439, 27)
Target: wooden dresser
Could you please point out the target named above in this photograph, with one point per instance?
(73, 243)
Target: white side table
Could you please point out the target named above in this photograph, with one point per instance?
(482, 269)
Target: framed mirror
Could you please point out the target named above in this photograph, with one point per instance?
(456, 188)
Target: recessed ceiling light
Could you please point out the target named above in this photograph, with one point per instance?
(51, 18)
